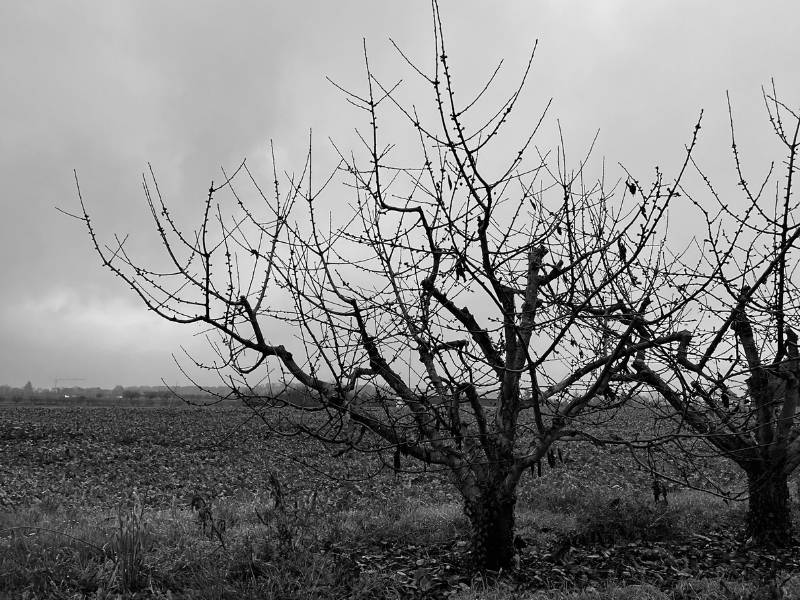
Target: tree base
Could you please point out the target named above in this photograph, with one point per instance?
(769, 519)
(492, 520)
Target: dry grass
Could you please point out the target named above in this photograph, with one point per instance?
(48, 552)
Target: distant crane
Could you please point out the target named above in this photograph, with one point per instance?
(65, 379)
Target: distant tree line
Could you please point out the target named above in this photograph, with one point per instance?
(98, 395)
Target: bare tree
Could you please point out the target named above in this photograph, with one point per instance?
(487, 301)
(734, 379)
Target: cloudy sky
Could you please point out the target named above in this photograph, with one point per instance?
(105, 87)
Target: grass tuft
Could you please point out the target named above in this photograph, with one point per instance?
(129, 544)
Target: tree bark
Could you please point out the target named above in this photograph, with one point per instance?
(769, 521)
(491, 514)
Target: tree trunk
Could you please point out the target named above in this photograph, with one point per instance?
(491, 514)
(769, 521)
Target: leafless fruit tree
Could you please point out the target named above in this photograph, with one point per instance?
(734, 379)
(518, 286)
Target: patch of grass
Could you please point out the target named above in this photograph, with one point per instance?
(560, 492)
(783, 586)
(624, 519)
(70, 553)
(697, 511)
(402, 520)
(563, 504)
(43, 551)
(609, 592)
(103, 553)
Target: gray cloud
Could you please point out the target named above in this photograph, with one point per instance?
(105, 87)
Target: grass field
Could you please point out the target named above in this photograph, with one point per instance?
(206, 503)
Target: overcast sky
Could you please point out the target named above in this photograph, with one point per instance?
(105, 87)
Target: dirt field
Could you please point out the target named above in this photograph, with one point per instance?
(589, 524)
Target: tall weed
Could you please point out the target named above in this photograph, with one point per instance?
(129, 545)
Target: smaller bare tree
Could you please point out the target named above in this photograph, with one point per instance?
(734, 379)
